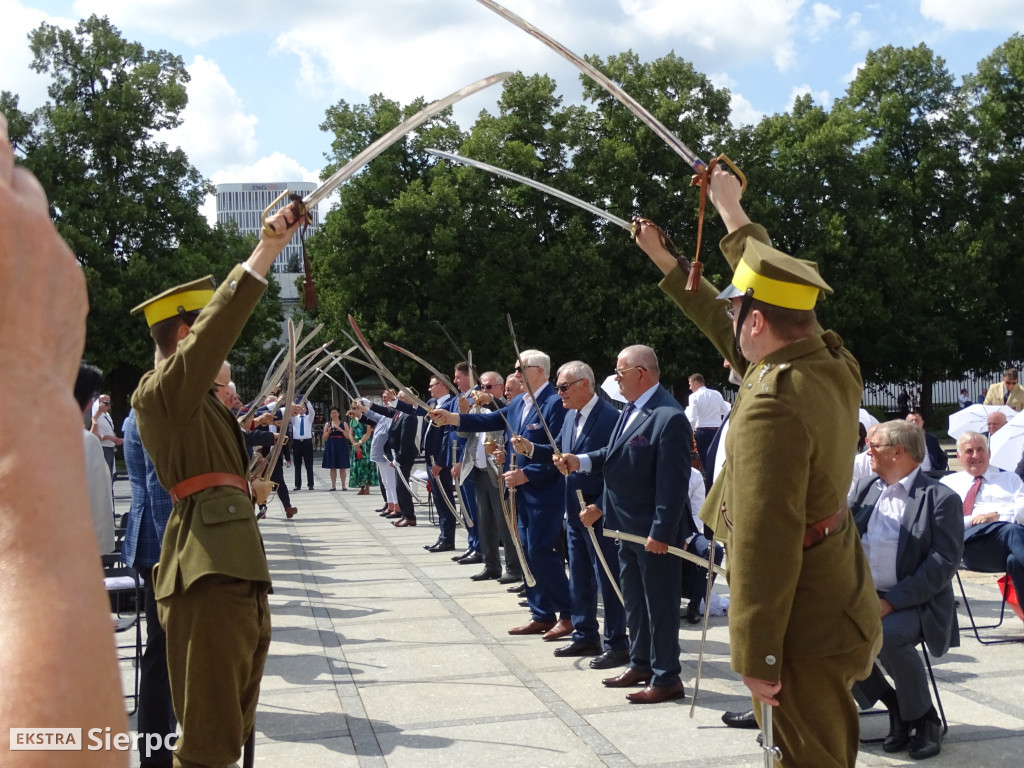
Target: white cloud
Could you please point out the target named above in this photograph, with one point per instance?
(850, 76)
(976, 15)
(736, 31)
(742, 112)
(823, 17)
(216, 131)
(821, 98)
(860, 38)
(15, 56)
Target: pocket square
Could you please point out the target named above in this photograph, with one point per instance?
(535, 425)
(640, 441)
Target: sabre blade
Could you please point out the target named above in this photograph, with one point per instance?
(605, 82)
(593, 209)
(389, 138)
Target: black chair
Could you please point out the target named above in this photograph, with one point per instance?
(935, 690)
(124, 587)
(974, 624)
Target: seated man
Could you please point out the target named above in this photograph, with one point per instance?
(934, 457)
(993, 511)
(910, 530)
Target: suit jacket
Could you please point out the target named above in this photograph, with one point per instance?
(647, 472)
(927, 556)
(997, 391)
(546, 486)
(940, 462)
(187, 432)
(597, 431)
(401, 444)
(790, 447)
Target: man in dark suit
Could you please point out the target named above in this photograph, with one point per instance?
(911, 529)
(541, 495)
(588, 426)
(401, 449)
(646, 467)
(935, 458)
(453, 446)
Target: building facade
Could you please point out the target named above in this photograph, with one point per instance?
(244, 204)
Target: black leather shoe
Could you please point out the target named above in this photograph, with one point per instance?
(510, 578)
(473, 558)
(899, 734)
(485, 575)
(516, 588)
(927, 739)
(576, 648)
(430, 547)
(693, 612)
(610, 659)
(740, 719)
(442, 546)
(467, 553)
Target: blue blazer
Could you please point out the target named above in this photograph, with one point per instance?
(647, 472)
(546, 486)
(597, 431)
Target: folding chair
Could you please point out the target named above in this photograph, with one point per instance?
(974, 624)
(124, 586)
(935, 690)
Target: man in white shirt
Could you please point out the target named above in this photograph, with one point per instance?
(103, 428)
(302, 444)
(910, 530)
(706, 411)
(993, 511)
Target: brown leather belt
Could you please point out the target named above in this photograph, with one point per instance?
(819, 531)
(209, 480)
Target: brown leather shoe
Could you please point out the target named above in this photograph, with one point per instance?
(562, 628)
(655, 694)
(629, 678)
(532, 627)
(405, 522)
(291, 512)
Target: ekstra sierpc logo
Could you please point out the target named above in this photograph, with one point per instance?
(46, 739)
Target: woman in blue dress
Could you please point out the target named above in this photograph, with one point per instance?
(337, 448)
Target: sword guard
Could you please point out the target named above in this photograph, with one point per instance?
(301, 212)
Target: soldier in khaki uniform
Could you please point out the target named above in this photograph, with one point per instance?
(804, 619)
(212, 580)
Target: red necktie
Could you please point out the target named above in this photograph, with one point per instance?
(972, 494)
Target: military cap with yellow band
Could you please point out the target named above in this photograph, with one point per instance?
(776, 278)
(178, 300)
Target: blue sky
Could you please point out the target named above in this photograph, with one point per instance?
(263, 73)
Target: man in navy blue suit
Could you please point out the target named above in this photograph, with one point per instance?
(646, 467)
(589, 422)
(540, 491)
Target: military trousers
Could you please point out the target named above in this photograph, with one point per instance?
(816, 724)
(218, 635)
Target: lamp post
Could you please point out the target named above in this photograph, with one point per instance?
(1009, 348)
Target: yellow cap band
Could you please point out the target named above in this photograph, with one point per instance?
(161, 309)
(775, 292)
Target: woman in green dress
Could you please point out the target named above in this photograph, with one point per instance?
(364, 471)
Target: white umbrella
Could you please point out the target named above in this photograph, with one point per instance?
(611, 388)
(867, 419)
(1007, 444)
(975, 418)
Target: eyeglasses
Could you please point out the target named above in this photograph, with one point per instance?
(565, 387)
(621, 374)
(436, 384)
(518, 369)
(490, 386)
(731, 312)
(876, 446)
(104, 402)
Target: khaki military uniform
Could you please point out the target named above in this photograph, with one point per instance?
(807, 617)
(212, 579)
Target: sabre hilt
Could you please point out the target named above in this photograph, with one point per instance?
(301, 211)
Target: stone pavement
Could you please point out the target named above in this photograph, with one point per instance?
(384, 654)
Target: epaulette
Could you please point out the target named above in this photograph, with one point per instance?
(767, 380)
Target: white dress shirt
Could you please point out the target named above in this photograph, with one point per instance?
(101, 502)
(882, 538)
(1001, 492)
(696, 494)
(585, 464)
(302, 425)
(706, 409)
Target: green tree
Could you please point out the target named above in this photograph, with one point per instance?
(127, 204)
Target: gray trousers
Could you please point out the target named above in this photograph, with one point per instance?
(900, 657)
(491, 522)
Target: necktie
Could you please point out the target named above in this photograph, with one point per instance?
(972, 494)
(302, 426)
(1006, 395)
(626, 413)
(572, 431)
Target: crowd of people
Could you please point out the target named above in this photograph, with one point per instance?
(855, 577)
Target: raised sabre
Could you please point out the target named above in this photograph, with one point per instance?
(593, 209)
(381, 144)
